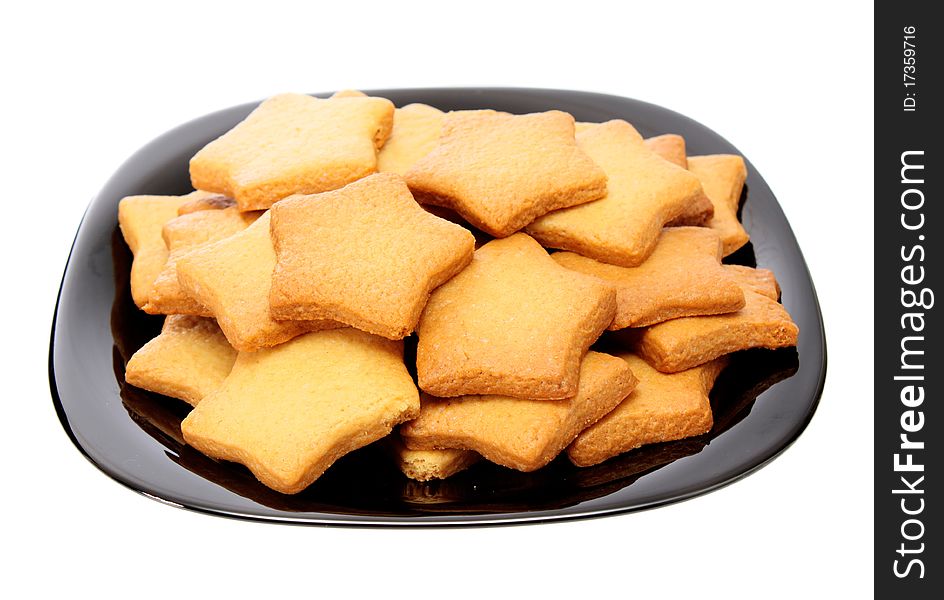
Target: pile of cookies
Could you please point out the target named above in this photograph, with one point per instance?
(325, 232)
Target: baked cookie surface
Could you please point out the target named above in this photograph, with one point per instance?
(669, 146)
(513, 322)
(141, 220)
(294, 144)
(682, 277)
(232, 278)
(426, 465)
(366, 255)
(502, 171)
(722, 177)
(684, 343)
(644, 192)
(188, 360)
(661, 408)
(521, 434)
(183, 234)
(289, 412)
(416, 129)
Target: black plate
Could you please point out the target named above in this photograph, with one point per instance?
(134, 436)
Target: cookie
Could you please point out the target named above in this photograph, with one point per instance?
(141, 219)
(684, 343)
(682, 277)
(183, 234)
(289, 412)
(513, 323)
(521, 434)
(760, 281)
(502, 171)
(426, 465)
(366, 255)
(669, 146)
(722, 177)
(205, 201)
(294, 144)
(231, 278)
(662, 408)
(644, 193)
(416, 129)
(698, 214)
(188, 360)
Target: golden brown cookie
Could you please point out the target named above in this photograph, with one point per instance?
(682, 277)
(205, 201)
(232, 278)
(366, 255)
(182, 235)
(513, 323)
(696, 215)
(416, 129)
(289, 412)
(426, 465)
(141, 219)
(294, 144)
(188, 360)
(521, 434)
(669, 146)
(722, 177)
(662, 408)
(644, 192)
(761, 281)
(502, 171)
(684, 343)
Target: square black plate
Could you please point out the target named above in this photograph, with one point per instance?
(134, 436)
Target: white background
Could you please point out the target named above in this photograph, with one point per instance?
(85, 85)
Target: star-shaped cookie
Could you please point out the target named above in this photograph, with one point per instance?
(644, 193)
(188, 360)
(521, 434)
(182, 235)
(722, 177)
(682, 277)
(294, 144)
(416, 129)
(366, 255)
(513, 323)
(232, 278)
(662, 408)
(684, 343)
(502, 171)
(289, 412)
(142, 219)
(669, 146)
